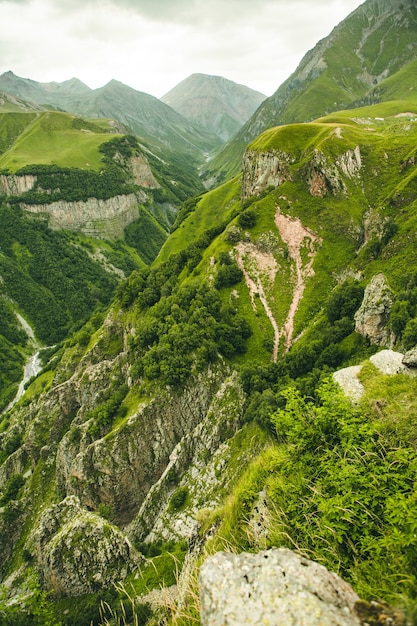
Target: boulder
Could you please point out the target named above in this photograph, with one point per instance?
(275, 587)
(410, 358)
(79, 552)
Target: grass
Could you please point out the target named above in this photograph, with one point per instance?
(214, 208)
(52, 138)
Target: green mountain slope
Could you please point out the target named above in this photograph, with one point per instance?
(50, 137)
(202, 414)
(219, 105)
(372, 44)
(141, 113)
(202, 398)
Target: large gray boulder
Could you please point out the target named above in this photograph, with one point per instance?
(274, 587)
(79, 552)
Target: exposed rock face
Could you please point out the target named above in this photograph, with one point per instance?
(326, 177)
(96, 218)
(142, 173)
(79, 552)
(199, 451)
(16, 185)
(274, 587)
(262, 169)
(372, 317)
(119, 469)
(323, 175)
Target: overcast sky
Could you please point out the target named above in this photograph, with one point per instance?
(152, 45)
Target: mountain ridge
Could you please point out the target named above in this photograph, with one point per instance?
(216, 103)
(335, 74)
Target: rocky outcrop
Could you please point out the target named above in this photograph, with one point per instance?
(141, 172)
(263, 169)
(78, 551)
(12, 185)
(120, 468)
(273, 587)
(104, 219)
(410, 358)
(280, 588)
(371, 319)
(198, 460)
(325, 176)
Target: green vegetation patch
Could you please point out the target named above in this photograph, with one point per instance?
(51, 138)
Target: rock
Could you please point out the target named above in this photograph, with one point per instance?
(93, 217)
(410, 358)
(79, 552)
(262, 169)
(13, 185)
(275, 587)
(119, 469)
(389, 362)
(371, 319)
(347, 379)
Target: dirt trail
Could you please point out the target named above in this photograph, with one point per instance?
(293, 234)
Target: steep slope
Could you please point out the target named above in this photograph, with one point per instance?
(372, 44)
(53, 94)
(143, 114)
(217, 104)
(140, 430)
(97, 189)
(61, 140)
(10, 103)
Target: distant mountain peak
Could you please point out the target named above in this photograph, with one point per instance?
(216, 103)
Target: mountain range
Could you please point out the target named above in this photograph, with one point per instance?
(244, 382)
(226, 106)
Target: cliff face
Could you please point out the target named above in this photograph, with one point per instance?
(93, 217)
(264, 169)
(129, 468)
(96, 218)
(120, 468)
(322, 174)
(13, 185)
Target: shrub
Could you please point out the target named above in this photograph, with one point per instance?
(247, 219)
(178, 499)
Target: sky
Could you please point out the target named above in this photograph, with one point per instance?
(152, 45)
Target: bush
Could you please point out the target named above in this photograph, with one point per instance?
(228, 275)
(178, 499)
(247, 219)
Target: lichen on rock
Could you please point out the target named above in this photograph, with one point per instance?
(275, 587)
(78, 551)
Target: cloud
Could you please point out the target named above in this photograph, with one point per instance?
(152, 45)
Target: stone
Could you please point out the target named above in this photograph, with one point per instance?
(275, 587)
(372, 317)
(79, 552)
(347, 379)
(410, 358)
(389, 362)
